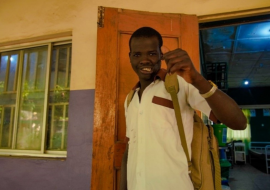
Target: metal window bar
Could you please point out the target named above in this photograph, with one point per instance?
(69, 71)
(16, 75)
(66, 125)
(18, 95)
(11, 126)
(63, 127)
(56, 68)
(35, 69)
(67, 67)
(52, 125)
(27, 69)
(7, 75)
(46, 100)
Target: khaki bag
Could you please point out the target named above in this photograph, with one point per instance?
(204, 166)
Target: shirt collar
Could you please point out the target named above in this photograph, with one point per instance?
(160, 75)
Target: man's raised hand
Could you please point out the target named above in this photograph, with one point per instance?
(179, 61)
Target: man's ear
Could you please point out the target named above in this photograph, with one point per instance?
(129, 54)
(161, 55)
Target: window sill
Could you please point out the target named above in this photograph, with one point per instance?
(23, 154)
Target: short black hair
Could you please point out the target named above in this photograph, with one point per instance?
(146, 32)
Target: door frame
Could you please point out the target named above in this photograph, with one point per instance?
(233, 15)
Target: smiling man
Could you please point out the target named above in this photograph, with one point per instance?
(154, 158)
(145, 57)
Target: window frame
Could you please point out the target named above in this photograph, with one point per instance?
(20, 47)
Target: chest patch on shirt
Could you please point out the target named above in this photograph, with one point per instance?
(162, 102)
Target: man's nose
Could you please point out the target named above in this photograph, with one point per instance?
(144, 60)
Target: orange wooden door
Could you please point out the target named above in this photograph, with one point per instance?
(115, 78)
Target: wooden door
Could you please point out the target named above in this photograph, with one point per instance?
(115, 78)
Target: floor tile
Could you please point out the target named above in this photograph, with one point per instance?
(247, 177)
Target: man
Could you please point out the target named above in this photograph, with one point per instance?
(154, 158)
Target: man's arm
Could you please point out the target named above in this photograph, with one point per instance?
(123, 178)
(223, 107)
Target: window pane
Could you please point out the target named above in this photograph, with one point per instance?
(53, 63)
(58, 127)
(8, 76)
(12, 72)
(30, 77)
(62, 67)
(6, 126)
(31, 114)
(3, 70)
(41, 70)
(59, 98)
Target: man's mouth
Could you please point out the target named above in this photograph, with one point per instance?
(146, 70)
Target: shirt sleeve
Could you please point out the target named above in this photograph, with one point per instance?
(194, 99)
(197, 102)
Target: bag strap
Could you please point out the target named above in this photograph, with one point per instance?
(172, 87)
(216, 160)
(130, 96)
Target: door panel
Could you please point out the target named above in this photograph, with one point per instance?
(115, 78)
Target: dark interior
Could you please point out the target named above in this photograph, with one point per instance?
(236, 50)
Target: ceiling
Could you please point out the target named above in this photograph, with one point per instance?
(230, 54)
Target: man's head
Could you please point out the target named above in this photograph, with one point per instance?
(145, 54)
(146, 32)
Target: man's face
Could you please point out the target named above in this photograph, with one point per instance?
(145, 57)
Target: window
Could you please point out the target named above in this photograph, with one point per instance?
(34, 99)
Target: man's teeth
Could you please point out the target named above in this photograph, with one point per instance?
(146, 69)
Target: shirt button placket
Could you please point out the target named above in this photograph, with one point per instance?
(141, 149)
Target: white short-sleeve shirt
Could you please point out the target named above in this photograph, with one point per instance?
(156, 159)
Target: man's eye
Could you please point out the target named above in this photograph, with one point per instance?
(152, 54)
(136, 55)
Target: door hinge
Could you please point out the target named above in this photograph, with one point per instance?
(100, 21)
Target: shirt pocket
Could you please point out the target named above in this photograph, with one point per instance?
(162, 113)
(162, 102)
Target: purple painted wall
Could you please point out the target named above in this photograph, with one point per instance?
(46, 174)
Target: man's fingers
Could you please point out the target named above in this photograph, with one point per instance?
(175, 59)
(178, 63)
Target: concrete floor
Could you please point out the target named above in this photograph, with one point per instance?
(246, 177)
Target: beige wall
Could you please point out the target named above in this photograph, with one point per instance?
(20, 19)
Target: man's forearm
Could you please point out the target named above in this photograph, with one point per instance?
(224, 107)
(227, 111)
